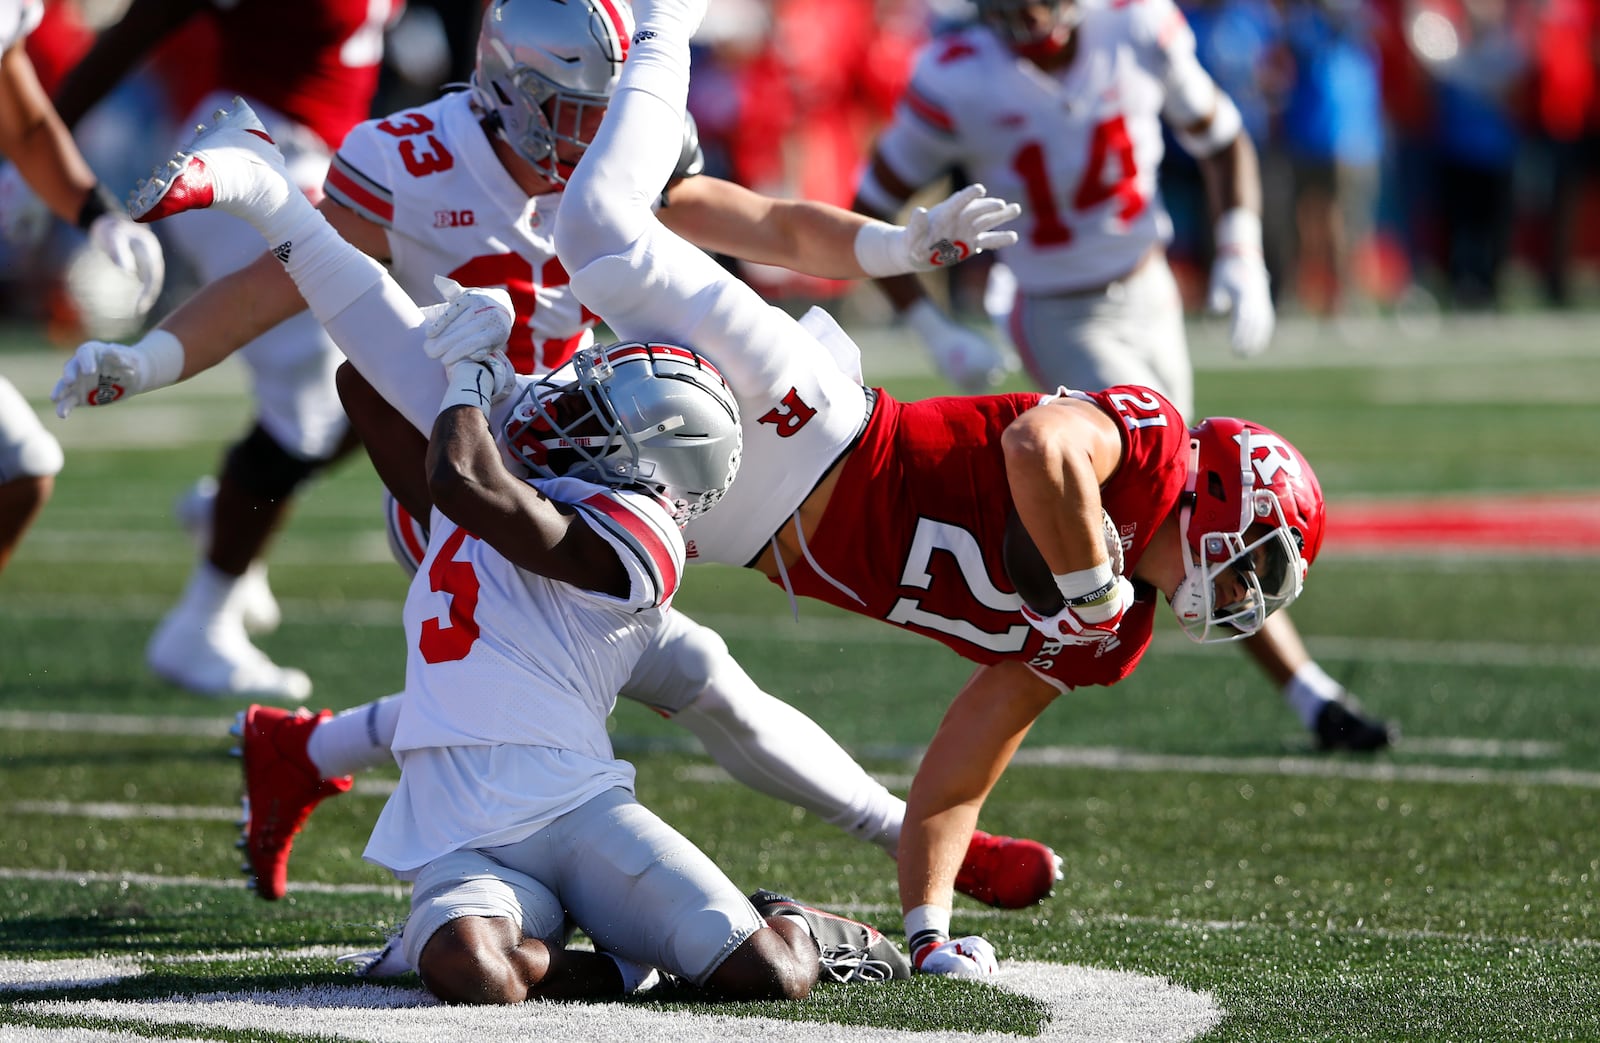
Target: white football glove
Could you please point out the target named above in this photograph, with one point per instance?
(955, 229)
(479, 382)
(24, 219)
(100, 373)
(969, 957)
(1087, 625)
(1239, 283)
(965, 357)
(470, 325)
(135, 249)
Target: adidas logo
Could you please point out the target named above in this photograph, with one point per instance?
(282, 250)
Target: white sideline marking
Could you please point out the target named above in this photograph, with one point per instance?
(109, 811)
(88, 876)
(1087, 1005)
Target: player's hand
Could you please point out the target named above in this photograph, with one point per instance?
(135, 249)
(1086, 624)
(471, 324)
(969, 957)
(965, 357)
(100, 373)
(955, 229)
(1239, 283)
(24, 219)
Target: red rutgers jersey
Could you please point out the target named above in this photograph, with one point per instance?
(931, 478)
(315, 61)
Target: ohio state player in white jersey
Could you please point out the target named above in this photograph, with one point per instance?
(434, 189)
(1059, 105)
(310, 68)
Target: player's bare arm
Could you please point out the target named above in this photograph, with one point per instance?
(471, 486)
(35, 140)
(1057, 456)
(979, 734)
(805, 236)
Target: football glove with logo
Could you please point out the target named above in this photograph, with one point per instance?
(100, 373)
(1085, 624)
(952, 231)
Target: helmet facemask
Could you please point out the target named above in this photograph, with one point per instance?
(544, 69)
(650, 416)
(1261, 561)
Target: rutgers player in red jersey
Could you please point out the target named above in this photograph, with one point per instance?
(310, 68)
(1222, 519)
(1059, 104)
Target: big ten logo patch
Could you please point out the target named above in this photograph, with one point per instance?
(454, 218)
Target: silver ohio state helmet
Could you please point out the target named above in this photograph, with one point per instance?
(543, 65)
(657, 416)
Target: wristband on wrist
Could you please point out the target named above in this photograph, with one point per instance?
(1092, 586)
(878, 249)
(164, 353)
(98, 202)
(471, 384)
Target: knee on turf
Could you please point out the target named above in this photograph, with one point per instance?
(472, 960)
(778, 963)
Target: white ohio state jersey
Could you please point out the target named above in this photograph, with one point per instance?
(18, 18)
(431, 178)
(1078, 148)
(497, 655)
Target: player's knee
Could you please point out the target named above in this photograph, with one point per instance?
(777, 963)
(472, 960)
(262, 467)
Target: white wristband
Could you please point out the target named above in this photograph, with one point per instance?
(1239, 232)
(164, 352)
(471, 384)
(879, 251)
(1091, 586)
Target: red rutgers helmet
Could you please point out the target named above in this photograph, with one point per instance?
(1252, 515)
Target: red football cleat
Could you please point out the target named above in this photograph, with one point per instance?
(1007, 872)
(281, 786)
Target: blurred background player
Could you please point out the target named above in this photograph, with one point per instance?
(495, 159)
(310, 68)
(41, 152)
(1059, 105)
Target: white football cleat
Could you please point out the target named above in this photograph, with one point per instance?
(232, 164)
(257, 605)
(213, 656)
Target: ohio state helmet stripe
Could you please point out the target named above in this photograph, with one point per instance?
(619, 28)
(360, 193)
(641, 537)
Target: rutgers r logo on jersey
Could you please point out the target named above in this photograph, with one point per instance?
(453, 218)
(791, 416)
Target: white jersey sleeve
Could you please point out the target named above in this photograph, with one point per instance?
(922, 141)
(798, 410)
(1166, 47)
(18, 18)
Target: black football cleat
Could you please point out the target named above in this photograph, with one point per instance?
(1341, 726)
(851, 951)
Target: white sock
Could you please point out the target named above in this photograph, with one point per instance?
(1309, 690)
(355, 739)
(209, 591)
